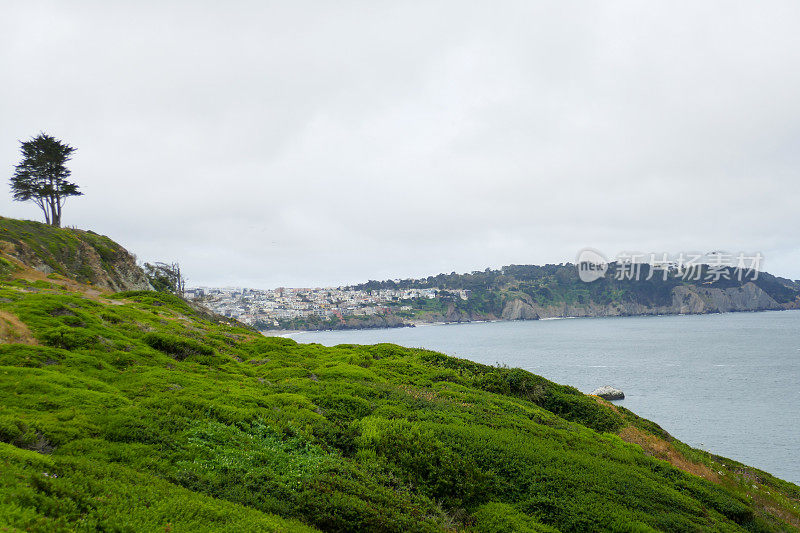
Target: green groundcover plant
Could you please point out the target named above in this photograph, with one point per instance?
(133, 412)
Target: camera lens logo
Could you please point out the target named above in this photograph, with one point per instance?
(592, 265)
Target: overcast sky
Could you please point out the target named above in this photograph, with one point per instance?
(298, 143)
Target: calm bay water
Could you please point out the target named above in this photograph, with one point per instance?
(728, 383)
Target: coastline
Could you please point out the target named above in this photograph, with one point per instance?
(285, 333)
(423, 323)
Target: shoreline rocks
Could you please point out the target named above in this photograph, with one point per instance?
(609, 393)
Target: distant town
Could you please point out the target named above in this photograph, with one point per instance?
(268, 307)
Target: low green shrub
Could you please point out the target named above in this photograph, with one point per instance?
(69, 338)
(346, 438)
(498, 517)
(156, 299)
(177, 347)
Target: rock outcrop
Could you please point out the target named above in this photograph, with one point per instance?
(608, 392)
(519, 310)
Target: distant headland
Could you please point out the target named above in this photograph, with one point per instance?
(514, 292)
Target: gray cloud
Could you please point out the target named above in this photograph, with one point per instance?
(311, 143)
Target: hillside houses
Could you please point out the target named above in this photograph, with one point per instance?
(266, 305)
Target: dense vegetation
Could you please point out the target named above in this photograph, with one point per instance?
(133, 411)
(559, 284)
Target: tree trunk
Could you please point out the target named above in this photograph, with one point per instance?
(55, 219)
(52, 204)
(43, 206)
(58, 213)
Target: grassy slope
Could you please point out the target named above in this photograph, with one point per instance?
(131, 412)
(63, 250)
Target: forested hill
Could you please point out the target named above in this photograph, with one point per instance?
(531, 291)
(566, 275)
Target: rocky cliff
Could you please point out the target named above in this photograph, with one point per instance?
(686, 299)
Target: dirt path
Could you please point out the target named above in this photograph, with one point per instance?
(13, 330)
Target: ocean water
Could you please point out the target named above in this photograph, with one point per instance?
(726, 383)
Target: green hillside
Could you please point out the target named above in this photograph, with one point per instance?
(133, 412)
